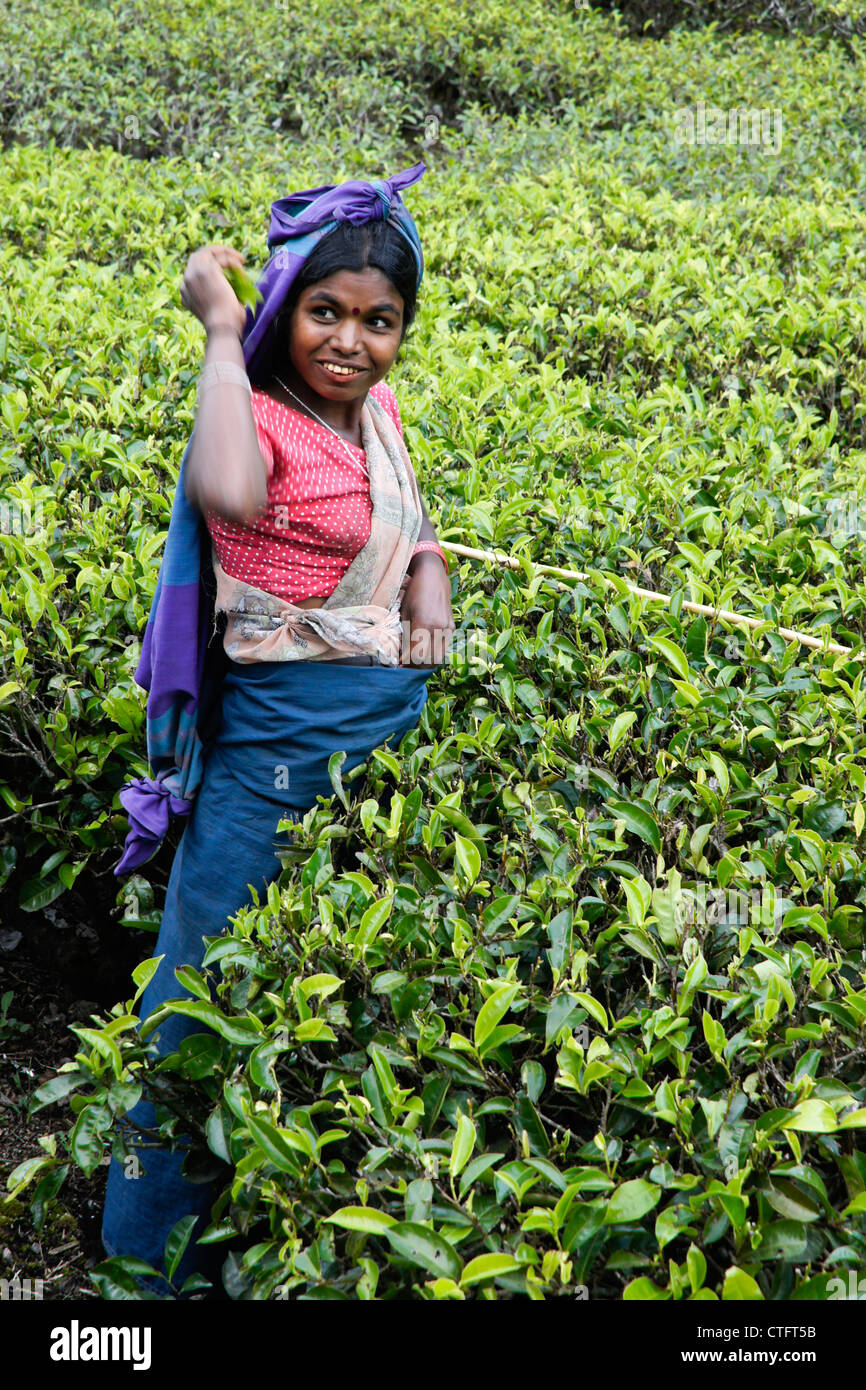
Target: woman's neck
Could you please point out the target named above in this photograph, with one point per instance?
(344, 417)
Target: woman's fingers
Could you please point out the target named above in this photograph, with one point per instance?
(225, 254)
(204, 287)
(206, 255)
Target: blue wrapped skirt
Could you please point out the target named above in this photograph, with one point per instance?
(280, 723)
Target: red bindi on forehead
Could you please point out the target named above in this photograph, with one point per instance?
(356, 311)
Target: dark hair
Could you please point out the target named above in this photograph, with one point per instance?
(347, 247)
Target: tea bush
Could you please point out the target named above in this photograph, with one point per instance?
(568, 1001)
(824, 19)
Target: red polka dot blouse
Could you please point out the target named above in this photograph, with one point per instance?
(318, 514)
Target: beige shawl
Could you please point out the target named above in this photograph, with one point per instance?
(362, 615)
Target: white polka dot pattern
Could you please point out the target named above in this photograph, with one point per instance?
(318, 514)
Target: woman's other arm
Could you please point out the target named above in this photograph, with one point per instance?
(425, 608)
(427, 533)
(225, 471)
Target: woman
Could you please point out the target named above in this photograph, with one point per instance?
(335, 592)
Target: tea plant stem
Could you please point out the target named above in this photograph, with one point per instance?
(726, 615)
(40, 805)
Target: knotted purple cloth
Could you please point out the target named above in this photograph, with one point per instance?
(180, 668)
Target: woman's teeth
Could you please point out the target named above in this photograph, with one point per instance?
(340, 371)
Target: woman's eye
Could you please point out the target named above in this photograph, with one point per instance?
(326, 309)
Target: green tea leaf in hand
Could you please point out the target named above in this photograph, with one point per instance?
(244, 286)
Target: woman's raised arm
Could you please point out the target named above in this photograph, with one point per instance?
(225, 471)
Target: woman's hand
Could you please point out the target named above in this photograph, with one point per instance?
(206, 292)
(426, 613)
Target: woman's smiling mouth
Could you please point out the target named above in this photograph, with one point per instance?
(339, 369)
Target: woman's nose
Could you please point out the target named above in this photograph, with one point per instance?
(346, 338)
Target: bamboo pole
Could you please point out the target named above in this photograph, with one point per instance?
(725, 614)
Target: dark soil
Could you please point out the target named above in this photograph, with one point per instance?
(60, 971)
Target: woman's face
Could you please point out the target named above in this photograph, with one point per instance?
(353, 319)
